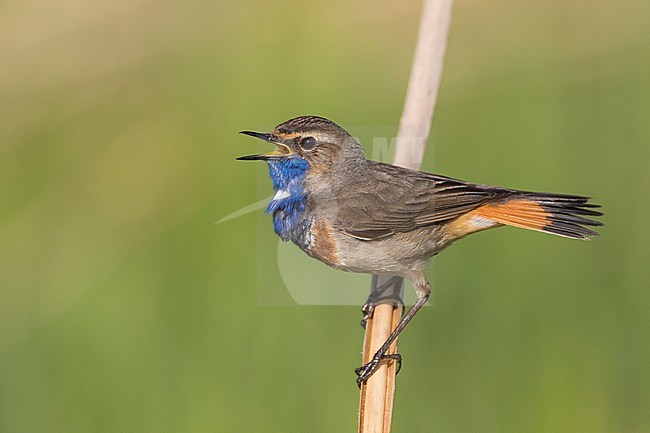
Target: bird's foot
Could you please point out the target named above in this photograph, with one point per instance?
(373, 300)
(367, 370)
(387, 292)
(367, 310)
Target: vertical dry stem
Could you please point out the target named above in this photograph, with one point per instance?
(377, 394)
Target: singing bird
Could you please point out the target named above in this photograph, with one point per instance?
(360, 215)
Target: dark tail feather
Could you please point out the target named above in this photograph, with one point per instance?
(567, 214)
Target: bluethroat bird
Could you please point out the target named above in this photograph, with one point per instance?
(359, 215)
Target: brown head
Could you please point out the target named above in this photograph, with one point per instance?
(323, 144)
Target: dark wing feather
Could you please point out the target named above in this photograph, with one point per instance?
(395, 199)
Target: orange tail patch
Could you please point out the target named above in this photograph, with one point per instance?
(521, 213)
(562, 215)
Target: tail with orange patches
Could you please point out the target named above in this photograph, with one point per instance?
(558, 214)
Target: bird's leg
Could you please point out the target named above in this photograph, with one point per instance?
(378, 295)
(365, 371)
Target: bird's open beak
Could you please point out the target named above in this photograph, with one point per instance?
(281, 152)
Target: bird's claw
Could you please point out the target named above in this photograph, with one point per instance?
(367, 370)
(367, 310)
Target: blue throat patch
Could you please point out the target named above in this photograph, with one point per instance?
(288, 203)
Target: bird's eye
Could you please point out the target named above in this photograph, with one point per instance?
(308, 143)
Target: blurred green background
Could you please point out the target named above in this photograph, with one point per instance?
(124, 308)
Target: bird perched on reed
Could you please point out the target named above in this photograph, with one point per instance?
(359, 215)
